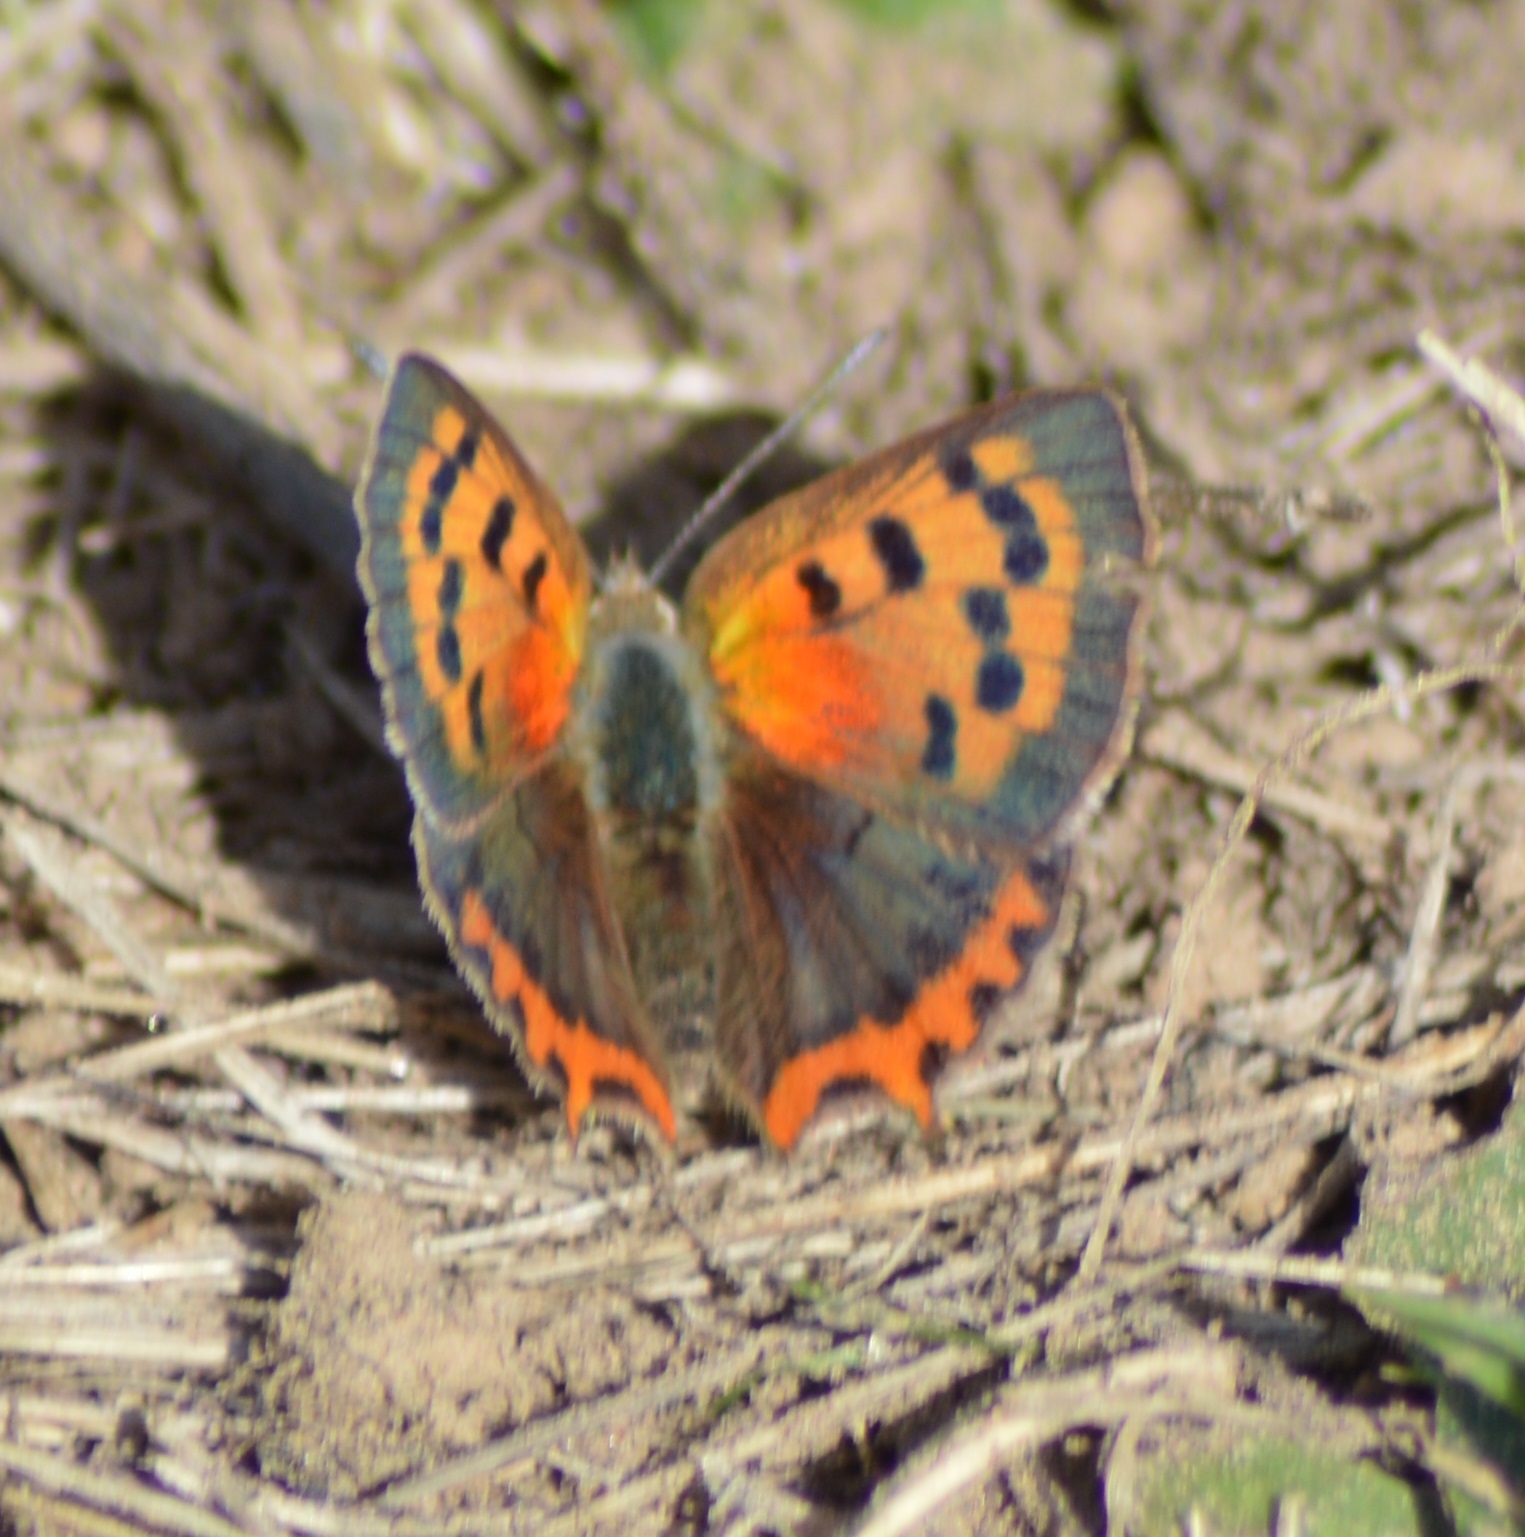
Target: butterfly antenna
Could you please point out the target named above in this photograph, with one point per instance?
(780, 434)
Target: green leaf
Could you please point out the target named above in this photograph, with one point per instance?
(1258, 1482)
(907, 14)
(1475, 1340)
(657, 31)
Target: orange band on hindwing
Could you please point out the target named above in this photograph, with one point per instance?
(946, 1014)
(584, 1060)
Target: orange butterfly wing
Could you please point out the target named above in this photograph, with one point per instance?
(926, 662)
(855, 951)
(479, 595)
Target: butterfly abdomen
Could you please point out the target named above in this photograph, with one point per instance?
(645, 741)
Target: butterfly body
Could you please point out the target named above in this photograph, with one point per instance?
(801, 836)
(649, 746)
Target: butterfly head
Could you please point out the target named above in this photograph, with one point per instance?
(627, 602)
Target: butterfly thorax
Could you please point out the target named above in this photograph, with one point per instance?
(645, 740)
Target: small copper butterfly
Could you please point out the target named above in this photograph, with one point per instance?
(804, 835)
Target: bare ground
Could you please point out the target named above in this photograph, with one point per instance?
(289, 1246)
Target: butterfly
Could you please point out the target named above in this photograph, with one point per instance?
(799, 838)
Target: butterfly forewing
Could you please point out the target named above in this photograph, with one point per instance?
(479, 593)
(942, 629)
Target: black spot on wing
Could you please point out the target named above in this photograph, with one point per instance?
(452, 582)
(960, 471)
(934, 1058)
(474, 713)
(1026, 557)
(500, 524)
(534, 575)
(1047, 874)
(442, 484)
(985, 609)
(1007, 508)
(895, 547)
(447, 647)
(431, 522)
(998, 683)
(939, 757)
(447, 642)
(963, 887)
(1025, 944)
(824, 594)
(983, 998)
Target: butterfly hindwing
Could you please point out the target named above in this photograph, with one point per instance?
(525, 903)
(854, 951)
(942, 630)
(478, 590)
